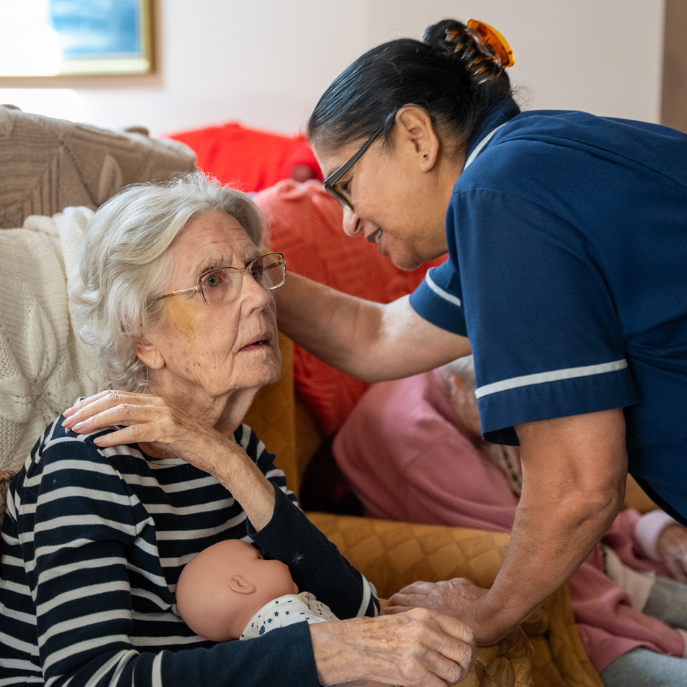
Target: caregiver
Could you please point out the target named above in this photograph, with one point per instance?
(566, 277)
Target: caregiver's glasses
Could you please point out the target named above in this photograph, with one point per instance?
(223, 284)
(332, 183)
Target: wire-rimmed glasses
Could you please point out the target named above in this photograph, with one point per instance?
(222, 285)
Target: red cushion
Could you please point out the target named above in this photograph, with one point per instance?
(305, 225)
(248, 159)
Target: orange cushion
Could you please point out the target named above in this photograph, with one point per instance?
(248, 159)
(305, 224)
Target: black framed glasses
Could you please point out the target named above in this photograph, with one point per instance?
(223, 284)
(331, 183)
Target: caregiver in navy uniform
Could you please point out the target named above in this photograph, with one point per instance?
(566, 276)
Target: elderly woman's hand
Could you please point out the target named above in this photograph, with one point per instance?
(148, 419)
(419, 648)
(145, 418)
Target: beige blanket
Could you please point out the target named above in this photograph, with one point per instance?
(43, 365)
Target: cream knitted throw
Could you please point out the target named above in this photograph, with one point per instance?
(44, 367)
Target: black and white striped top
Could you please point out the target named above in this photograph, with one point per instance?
(94, 541)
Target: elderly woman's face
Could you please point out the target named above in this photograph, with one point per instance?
(219, 348)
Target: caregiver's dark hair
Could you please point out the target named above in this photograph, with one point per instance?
(431, 74)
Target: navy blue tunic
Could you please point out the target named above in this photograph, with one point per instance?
(567, 269)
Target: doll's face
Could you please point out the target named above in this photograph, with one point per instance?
(225, 585)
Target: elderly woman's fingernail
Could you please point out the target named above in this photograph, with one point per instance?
(79, 425)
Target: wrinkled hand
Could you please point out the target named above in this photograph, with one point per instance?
(672, 550)
(148, 419)
(419, 648)
(458, 598)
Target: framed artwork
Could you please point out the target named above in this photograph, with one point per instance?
(69, 37)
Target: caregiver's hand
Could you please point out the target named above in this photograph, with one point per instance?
(419, 648)
(149, 419)
(459, 598)
(672, 550)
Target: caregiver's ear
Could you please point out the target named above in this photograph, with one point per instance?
(414, 125)
(239, 585)
(149, 354)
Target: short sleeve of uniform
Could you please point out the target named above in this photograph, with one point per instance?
(438, 299)
(540, 315)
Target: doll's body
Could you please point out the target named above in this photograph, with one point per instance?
(287, 610)
(229, 591)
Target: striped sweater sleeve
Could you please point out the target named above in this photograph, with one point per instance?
(316, 564)
(76, 541)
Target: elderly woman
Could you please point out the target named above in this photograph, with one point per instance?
(128, 486)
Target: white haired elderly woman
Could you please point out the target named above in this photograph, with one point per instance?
(128, 486)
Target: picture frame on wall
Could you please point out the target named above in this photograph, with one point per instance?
(76, 37)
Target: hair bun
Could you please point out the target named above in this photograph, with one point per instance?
(456, 41)
(435, 35)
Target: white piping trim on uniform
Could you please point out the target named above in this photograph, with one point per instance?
(440, 292)
(553, 376)
(480, 145)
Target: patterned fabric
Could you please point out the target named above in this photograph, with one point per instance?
(287, 610)
(44, 366)
(49, 164)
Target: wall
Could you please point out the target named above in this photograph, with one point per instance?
(265, 62)
(674, 95)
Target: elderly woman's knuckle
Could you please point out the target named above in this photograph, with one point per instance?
(114, 396)
(424, 615)
(454, 673)
(408, 667)
(417, 632)
(469, 635)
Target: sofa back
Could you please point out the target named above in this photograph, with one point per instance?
(49, 164)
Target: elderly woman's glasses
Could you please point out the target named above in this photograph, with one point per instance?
(332, 183)
(223, 284)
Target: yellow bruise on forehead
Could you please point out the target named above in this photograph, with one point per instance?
(182, 313)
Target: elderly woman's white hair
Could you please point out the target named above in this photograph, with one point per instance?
(123, 265)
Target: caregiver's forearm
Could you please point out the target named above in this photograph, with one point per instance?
(574, 473)
(371, 341)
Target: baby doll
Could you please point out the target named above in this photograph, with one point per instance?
(229, 591)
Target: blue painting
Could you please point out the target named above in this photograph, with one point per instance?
(97, 28)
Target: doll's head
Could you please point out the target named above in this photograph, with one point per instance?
(225, 585)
